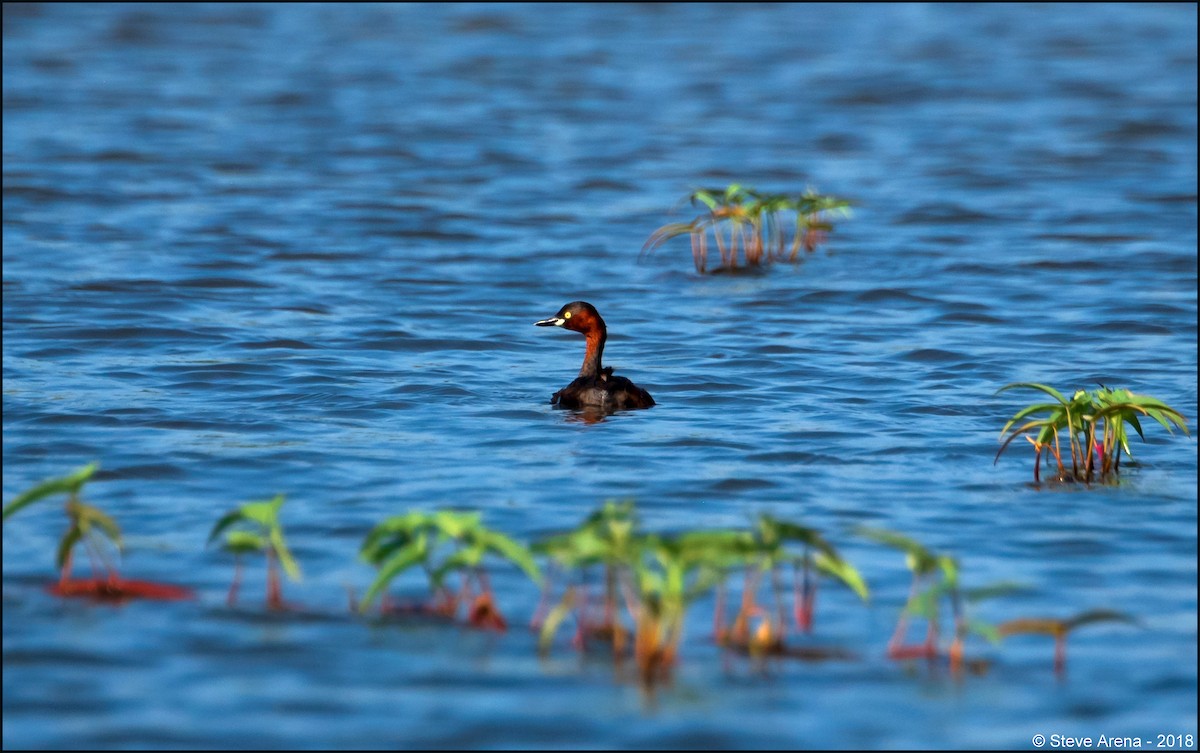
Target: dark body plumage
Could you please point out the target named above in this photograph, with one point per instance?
(605, 391)
(595, 387)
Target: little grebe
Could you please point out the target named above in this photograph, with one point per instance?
(595, 386)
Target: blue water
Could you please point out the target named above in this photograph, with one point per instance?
(299, 249)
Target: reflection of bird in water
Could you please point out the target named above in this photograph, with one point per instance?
(595, 387)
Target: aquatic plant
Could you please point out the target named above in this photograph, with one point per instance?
(668, 574)
(925, 565)
(1061, 629)
(764, 552)
(253, 528)
(1094, 424)
(606, 537)
(937, 578)
(925, 605)
(755, 224)
(656, 577)
(405, 541)
(97, 531)
(660, 576)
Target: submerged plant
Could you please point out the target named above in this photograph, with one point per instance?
(668, 573)
(97, 531)
(85, 523)
(655, 577)
(255, 528)
(1091, 424)
(764, 552)
(659, 577)
(607, 537)
(925, 605)
(925, 566)
(755, 224)
(405, 541)
(1061, 629)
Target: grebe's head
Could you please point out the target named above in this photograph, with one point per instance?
(577, 315)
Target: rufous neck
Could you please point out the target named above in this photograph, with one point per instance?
(595, 349)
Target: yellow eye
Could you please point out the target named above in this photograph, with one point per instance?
(566, 315)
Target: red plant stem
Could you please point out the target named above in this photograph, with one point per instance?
(716, 231)
(1060, 653)
(931, 635)
(94, 560)
(274, 588)
(776, 592)
(740, 633)
(105, 561)
(719, 614)
(237, 580)
(805, 598)
(810, 607)
(631, 602)
(897, 639)
(610, 595)
(464, 596)
(65, 574)
(585, 606)
(956, 655)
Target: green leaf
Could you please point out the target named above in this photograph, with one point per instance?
(87, 516)
(919, 559)
(1099, 615)
(554, 619)
(463, 559)
(1005, 588)
(69, 484)
(786, 531)
(392, 534)
(985, 630)
(226, 521)
(456, 525)
(924, 604)
(705, 198)
(949, 567)
(413, 553)
(1032, 385)
(844, 572)
(266, 514)
(244, 542)
(514, 553)
(281, 551)
(1053, 409)
(68, 542)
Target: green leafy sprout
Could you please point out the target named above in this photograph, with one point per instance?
(255, 528)
(1093, 425)
(86, 523)
(419, 538)
(658, 577)
(925, 590)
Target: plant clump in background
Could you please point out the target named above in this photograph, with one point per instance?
(751, 228)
